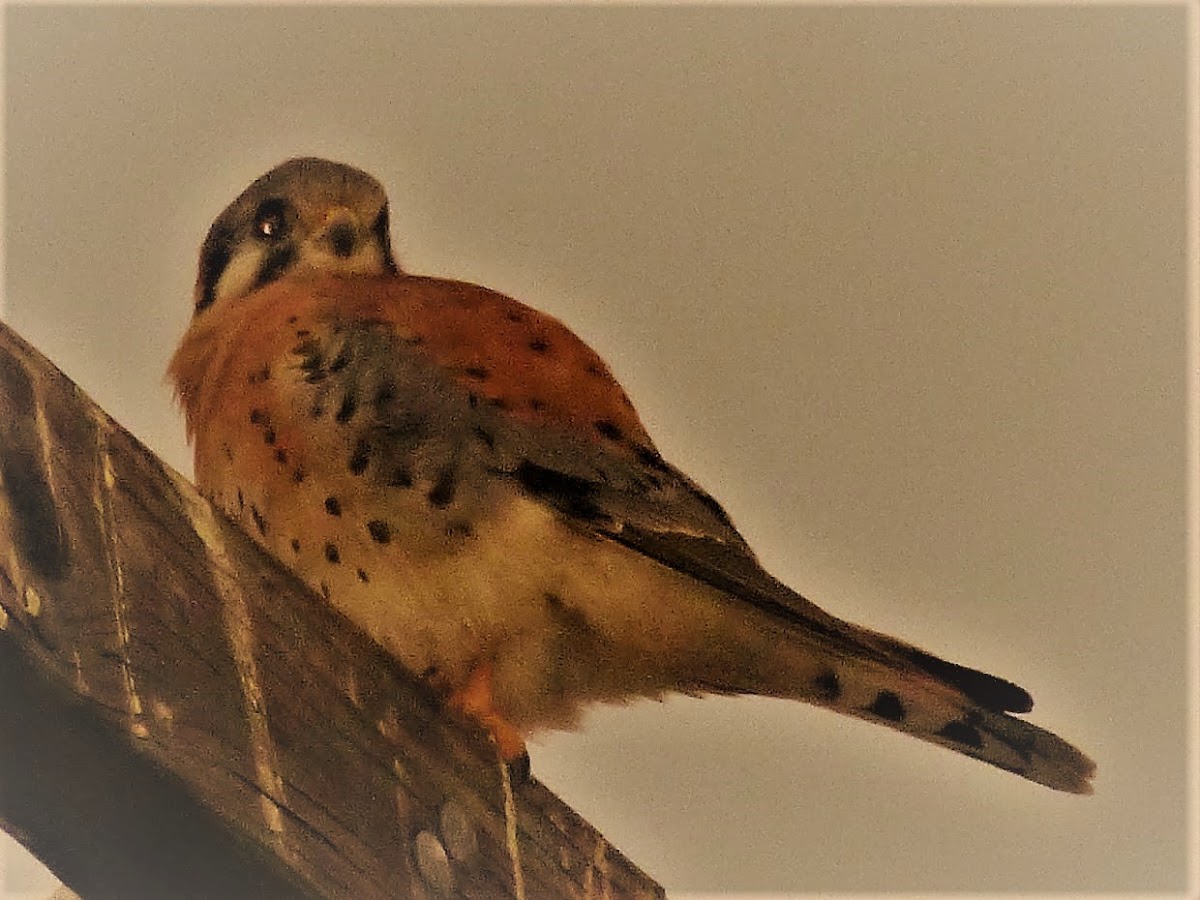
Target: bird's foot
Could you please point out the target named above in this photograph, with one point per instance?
(474, 699)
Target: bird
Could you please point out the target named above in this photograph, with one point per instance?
(465, 479)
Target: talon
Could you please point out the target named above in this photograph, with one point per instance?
(474, 700)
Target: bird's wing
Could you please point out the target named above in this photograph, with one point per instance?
(530, 402)
(459, 389)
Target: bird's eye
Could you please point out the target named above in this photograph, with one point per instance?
(270, 220)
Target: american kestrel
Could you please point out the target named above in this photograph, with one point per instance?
(462, 476)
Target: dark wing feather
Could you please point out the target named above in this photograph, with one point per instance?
(675, 522)
(423, 418)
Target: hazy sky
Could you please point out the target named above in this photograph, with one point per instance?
(902, 287)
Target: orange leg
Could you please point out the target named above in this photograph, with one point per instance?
(474, 699)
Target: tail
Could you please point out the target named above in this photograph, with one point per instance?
(878, 678)
(777, 643)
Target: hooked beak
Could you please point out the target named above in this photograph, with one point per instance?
(341, 233)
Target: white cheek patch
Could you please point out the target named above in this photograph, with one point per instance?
(240, 276)
(240, 273)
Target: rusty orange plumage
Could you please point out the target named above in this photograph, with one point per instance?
(462, 476)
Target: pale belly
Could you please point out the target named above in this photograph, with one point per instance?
(565, 618)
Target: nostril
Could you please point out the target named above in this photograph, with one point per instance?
(341, 239)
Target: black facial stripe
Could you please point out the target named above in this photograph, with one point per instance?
(214, 257)
(272, 225)
(382, 231)
(279, 260)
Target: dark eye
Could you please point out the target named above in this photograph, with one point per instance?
(270, 220)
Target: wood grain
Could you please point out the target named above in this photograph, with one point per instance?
(179, 716)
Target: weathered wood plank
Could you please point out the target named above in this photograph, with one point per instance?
(179, 716)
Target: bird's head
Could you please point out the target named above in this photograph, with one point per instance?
(306, 215)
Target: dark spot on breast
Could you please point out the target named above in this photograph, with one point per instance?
(460, 528)
(536, 405)
(258, 417)
(400, 477)
(228, 451)
(269, 435)
(609, 429)
(539, 345)
(360, 457)
(317, 410)
(331, 553)
(301, 332)
(241, 499)
(384, 395)
(442, 492)
(346, 410)
(478, 373)
(887, 706)
(380, 531)
(340, 361)
(295, 545)
(332, 506)
(298, 474)
(259, 522)
(828, 686)
(312, 359)
(292, 320)
(485, 437)
(595, 370)
(962, 733)
(499, 403)
(362, 576)
(315, 376)
(281, 456)
(514, 315)
(472, 399)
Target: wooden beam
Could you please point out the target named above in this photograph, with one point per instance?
(180, 716)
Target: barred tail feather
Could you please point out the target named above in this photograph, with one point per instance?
(939, 711)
